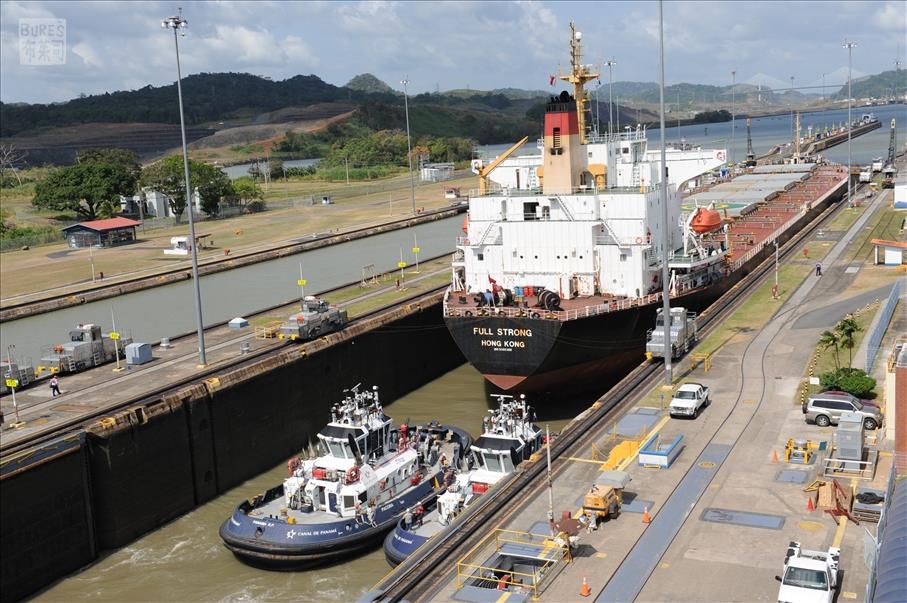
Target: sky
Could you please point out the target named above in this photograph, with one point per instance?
(480, 45)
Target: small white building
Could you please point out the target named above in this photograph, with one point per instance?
(436, 172)
(156, 204)
(890, 253)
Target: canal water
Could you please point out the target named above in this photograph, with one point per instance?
(186, 561)
(166, 311)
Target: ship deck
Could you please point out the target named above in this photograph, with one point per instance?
(748, 231)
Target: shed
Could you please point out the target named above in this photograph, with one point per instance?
(435, 172)
(101, 233)
(892, 252)
(238, 323)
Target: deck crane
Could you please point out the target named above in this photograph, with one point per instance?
(484, 171)
(750, 155)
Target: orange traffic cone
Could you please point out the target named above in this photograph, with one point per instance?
(774, 456)
(585, 592)
(645, 515)
(809, 504)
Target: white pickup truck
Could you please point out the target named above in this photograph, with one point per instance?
(688, 400)
(809, 576)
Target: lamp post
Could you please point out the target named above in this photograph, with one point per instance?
(849, 46)
(611, 63)
(733, 110)
(409, 150)
(663, 190)
(791, 103)
(823, 87)
(176, 23)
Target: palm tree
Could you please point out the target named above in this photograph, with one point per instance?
(846, 330)
(830, 340)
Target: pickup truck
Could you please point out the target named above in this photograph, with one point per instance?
(809, 576)
(688, 400)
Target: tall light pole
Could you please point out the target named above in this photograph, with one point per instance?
(665, 235)
(176, 23)
(791, 107)
(849, 46)
(409, 149)
(823, 87)
(611, 63)
(733, 110)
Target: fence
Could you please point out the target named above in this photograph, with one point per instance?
(878, 332)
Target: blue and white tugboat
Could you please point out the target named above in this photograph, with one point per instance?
(368, 473)
(509, 436)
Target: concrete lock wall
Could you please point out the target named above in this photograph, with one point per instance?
(152, 463)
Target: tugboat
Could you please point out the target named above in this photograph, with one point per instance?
(342, 501)
(509, 436)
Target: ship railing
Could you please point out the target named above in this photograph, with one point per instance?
(769, 240)
(574, 190)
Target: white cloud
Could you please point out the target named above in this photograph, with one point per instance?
(87, 54)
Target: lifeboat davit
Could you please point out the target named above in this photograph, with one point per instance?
(705, 220)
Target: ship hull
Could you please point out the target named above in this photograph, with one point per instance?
(583, 354)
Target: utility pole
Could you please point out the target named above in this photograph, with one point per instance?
(733, 110)
(409, 149)
(665, 237)
(791, 103)
(611, 63)
(617, 112)
(346, 163)
(823, 87)
(849, 46)
(176, 23)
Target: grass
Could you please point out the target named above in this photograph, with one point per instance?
(845, 218)
(886, 224)
(825, 358)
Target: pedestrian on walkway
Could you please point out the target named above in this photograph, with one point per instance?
(54, 386)
(818, 268)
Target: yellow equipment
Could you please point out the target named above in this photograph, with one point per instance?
(799, 451)
(578, 76)
(483, 171)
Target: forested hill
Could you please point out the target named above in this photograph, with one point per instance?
(206, 96)
(881, 85)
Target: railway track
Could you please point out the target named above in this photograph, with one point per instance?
(420, 575)
(76, 423)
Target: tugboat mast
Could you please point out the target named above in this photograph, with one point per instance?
(578, 76)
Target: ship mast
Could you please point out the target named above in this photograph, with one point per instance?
(578, 76)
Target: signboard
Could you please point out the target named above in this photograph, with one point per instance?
(417, 249)
(401, 264)
(302, 282)
(12, 383)
(114, 335)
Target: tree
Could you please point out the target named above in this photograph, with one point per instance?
(124, 157)
(846, 329)
(84, 187)
(10, 158)
(247, 194)
(853, 381)
(830, 340)
(166, 176)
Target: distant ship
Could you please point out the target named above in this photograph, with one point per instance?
(559, 272)
(345, 499)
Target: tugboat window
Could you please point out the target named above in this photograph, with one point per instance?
(529, 210)
(349, 502)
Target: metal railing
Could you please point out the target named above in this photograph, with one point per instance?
(878, 332)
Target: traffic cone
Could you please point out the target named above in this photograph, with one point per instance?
(774, 456)
(585, 592)
(645, 515)
(809, 504)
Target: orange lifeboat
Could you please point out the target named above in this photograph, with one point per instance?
(705, 220)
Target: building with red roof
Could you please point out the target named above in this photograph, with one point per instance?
(101, 233)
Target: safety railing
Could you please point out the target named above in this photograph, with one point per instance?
(878, 331)
(543, 549)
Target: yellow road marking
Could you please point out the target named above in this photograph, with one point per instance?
(503, 597)
(601, 555)
(839, 533)
(573, 458)
(849, 595)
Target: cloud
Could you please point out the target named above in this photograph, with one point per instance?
(87, 54)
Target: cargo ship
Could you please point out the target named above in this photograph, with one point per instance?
(557, 276)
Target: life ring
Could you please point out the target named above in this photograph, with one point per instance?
(352, 476)
(639, 240)
(501, 313)
(720, 155)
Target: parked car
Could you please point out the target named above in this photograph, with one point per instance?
(688, 400)
(825, 409)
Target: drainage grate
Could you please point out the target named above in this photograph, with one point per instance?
(792, 476)
(743, 518)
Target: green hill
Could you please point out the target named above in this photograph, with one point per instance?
(881, 85)
(366, 82)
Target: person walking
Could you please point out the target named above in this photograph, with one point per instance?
(55, 386)
(818, 268)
